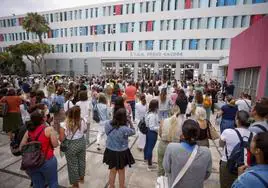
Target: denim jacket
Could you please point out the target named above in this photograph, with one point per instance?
(248, 180)
(117, 138)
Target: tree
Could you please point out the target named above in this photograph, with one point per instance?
(34, 52)
(12, 64)
(35, 23)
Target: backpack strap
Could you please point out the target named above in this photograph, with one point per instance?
(239, 135)
(261, 127)
(260, 178)
(38, 135)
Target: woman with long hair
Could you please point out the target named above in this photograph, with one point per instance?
(73, 130)
(47, 173)
(117, 154)
(200, 116)
(164, 104)
(169, 131)
(152, 122)
(177, 155)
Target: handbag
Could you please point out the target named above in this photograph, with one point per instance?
(65, 143)
(162, 181)
(212, 132)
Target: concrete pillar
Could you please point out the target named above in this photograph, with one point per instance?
(117, 67)
(178, 71)
(136, 67)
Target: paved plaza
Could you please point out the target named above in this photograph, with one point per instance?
(96, 172)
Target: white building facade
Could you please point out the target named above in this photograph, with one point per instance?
(181, 39)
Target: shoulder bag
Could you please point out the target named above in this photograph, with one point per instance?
(65, 143)
(162, 181)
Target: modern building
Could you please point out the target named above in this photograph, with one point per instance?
(181, 39)
(248, 65)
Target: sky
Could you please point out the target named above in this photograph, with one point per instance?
(9, 7)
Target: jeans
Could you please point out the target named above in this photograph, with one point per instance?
(132, 105)
(47, 173)
(151, 138)
(227, 124)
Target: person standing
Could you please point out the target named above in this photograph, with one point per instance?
(85, 106)
(117, 154)
(73, 130)
(230, 89)
(141, 109)
(60, 115)
(103, 112)
(243, 103)
(131, 91)
(152, 122)
(200, 115)
(12, 120)
(229, 139)
(177, 155)
(164, 104)
(47, 173)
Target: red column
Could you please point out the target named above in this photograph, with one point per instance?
(188, 4)
(118, 9)
(149, 26)
(1, 38)
(255, 18)
(129, 45)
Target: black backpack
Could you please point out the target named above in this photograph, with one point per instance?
(236, 158)
(142, 126)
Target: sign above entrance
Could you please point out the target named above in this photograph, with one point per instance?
(155, 54)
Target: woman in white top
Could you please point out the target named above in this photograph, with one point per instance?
(85, 106)
(141, 109)
(229, 139)
(68, 102)
(73, 130)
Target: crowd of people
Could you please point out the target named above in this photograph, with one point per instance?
(58, 112)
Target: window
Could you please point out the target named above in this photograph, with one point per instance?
(149, 26)
(72, 48)
(120, 45)
(184, 44)
(174, 45)
(89, 47)
(162, 5)
(168, 4)
(91, 13)
(81, 47)
(133, 8)
(83, 31)
(147, 6)
(167, 45)
(65, 16)
(161, 45)
(129, 46)
(216, 44)
(66, 34)
(75, 15)
(124, 27)
(51, 18)
(218, 23)
(127, 8)
(75, 31)
(168, 25)
(193, 44)
(224, 22)
(141, 7)
(183, 24)
(71, 32)
(209, 66)
(153, 9)
(61, 33)
(86, 13)
(175, 24)
(244, 21)
(149, 45)
(80, 14)
(96, 12)
(61, 16)
(71, 15)
(236, 22)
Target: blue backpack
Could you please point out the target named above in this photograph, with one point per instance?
(236, 158)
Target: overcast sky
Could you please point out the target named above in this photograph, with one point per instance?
(9, 7)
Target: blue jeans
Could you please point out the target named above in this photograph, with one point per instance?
(47, 173)
(227, 124)
(163, 115)
(132, 105)
(151, 138)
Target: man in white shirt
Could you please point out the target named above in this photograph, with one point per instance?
(243, 103)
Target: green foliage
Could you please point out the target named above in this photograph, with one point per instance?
(36, 23)
(12, 64)
(33, 51)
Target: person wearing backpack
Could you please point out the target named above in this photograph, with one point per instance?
(231, 140)
(207, 103)
(72, 131)
(47, 138)
(255, 176)
(259, 113)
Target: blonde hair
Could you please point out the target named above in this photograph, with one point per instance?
(200, 113)
(73, 120)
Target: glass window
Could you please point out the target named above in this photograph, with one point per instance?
(168, 25)
(175, 24)
(162, 25)
(224, 22)
(83, 31)
(89, 47)
(167, 45)
(96, 12)
(153, 9)
(184, 44)
(133, 8)
(209, 66)
(80, 14)
(120, 45)
(127, 8)
(218, 23)
(51, 18)
(65, 16)
(61, 32)
(75, 15)
(147, 6)
(162, 5)
(66, 34)
(71, 15)
(61, 16)
(161, 44)
(141, 7)
(193, 44)
(236, 22)
(211, 23)
(91, 13)
(86, 13)
(149, 45)
(168, 4)
(174, 45)
(244, 21)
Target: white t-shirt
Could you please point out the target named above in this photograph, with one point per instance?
(243, 104)
(231, 139)
(85, 107)
(67, 105)
(78, 134)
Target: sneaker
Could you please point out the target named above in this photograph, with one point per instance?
(152, 168)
